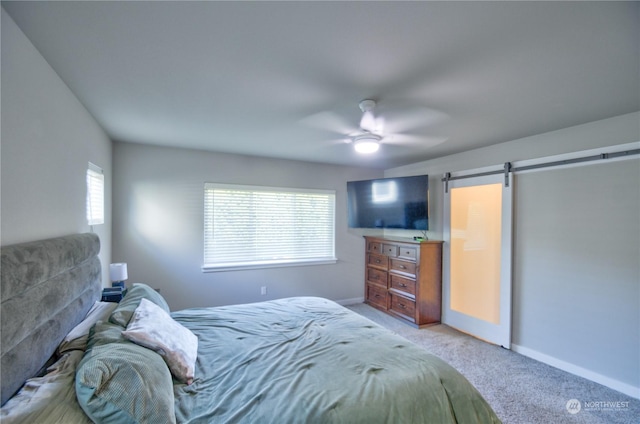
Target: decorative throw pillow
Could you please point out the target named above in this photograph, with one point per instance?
(124, 311)
(153, 327)
(125, 383)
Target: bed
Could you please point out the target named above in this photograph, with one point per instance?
(67, 358)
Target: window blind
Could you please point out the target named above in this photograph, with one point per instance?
(248, 226)
(95, 195)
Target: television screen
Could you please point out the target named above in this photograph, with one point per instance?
(389, 203)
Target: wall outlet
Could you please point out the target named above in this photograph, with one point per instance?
(263, 290)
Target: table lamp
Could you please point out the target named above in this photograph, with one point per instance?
(118, 273)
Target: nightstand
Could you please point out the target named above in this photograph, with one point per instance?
(113, 294)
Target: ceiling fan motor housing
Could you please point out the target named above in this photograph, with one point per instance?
(367, 105)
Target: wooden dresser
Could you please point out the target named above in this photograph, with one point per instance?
(404, 278)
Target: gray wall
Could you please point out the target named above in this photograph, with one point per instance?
(48, 138)
(158, 225)
(576, 275)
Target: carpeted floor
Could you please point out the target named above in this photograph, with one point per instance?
(519, 389)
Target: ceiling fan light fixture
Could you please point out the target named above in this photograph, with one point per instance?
(367, 143)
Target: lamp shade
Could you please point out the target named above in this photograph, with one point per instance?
(118, 272)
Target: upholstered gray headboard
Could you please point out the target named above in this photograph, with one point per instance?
(48, 286)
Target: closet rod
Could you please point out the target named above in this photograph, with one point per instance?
(602, 156)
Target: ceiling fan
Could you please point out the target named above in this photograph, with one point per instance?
(369, 140)
(376, 128)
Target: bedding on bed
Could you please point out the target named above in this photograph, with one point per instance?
(309, 359)
(77, 338)
(292, 360)
(50, 398)
(119, 381)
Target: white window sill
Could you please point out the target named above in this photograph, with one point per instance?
(237, 266)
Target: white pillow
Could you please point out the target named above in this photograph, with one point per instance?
(152, 327)
(79, 335)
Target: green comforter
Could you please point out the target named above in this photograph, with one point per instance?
(309, 360)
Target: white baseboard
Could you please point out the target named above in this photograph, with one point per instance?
(351, 301)
(617, 385)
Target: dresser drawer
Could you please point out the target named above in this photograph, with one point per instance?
(375, 247)
(403, 305)
(376, 276)
(390, 250)
(405, 267)
(377, 296)
(408, 252)
(378, 261)
(403, 284)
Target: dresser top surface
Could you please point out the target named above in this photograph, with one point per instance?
(401, 240)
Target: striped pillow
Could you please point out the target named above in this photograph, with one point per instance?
(125, 383)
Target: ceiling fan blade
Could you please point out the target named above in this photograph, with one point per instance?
(329, 121)
(424, 141)
(338, 141)
(407, 120)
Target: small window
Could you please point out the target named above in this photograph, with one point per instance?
(95, 195)
(259, 227)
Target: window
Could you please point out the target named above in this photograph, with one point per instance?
(95, 195)
(258, 227)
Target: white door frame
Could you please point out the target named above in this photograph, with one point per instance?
(499, 334)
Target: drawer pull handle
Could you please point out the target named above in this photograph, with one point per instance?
(378, 261)
(402, 267)
(403, 285)
(402, 305)
(378, 295)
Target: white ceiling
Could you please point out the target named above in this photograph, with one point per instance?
(265, 78)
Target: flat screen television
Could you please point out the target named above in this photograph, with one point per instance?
(389, 203)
